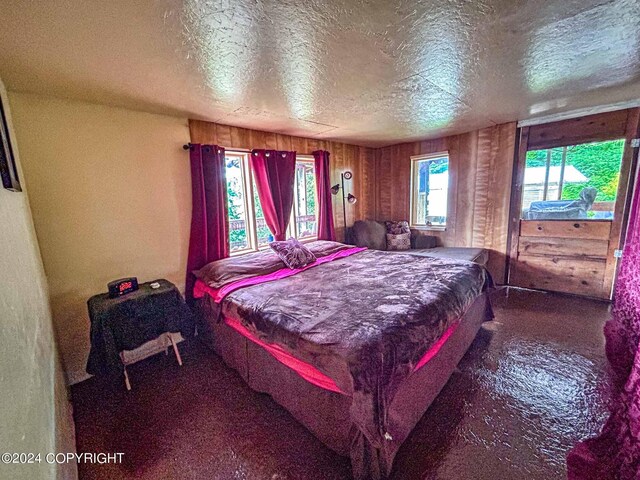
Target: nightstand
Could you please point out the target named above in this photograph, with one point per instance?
(127, 322)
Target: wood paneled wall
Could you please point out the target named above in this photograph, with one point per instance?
(480, 170)
(563, 256)
(359, 160)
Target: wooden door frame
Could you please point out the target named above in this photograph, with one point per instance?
(628, 174)
(630, 158)
(517, 184)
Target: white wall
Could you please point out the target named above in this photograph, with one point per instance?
(35, 415)
(110, 191)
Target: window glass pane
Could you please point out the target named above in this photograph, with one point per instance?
(534, 178)
(573, 182)
(264, 234)
(305, 208)
(238, 235)
(432, 184)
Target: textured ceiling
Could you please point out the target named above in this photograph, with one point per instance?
(368, 72)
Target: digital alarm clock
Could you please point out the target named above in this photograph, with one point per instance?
(122, 286)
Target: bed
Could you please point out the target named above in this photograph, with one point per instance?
(355, 346)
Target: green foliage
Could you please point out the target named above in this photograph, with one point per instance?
(234, 191)
(311, 192)
(256, 202)
(440, 165)
(238, 236)
(610, 189)
(599, 162)
(263, 234)
(235, 200)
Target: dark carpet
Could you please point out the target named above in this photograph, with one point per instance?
(530, 386)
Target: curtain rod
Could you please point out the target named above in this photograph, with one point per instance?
(186, 146)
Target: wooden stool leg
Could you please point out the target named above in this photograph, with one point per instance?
(166, 343)
(126, 379)
(175, 350)
(126, 375)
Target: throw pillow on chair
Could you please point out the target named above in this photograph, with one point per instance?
(400, 241)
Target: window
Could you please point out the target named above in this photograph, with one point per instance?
(304, 217)
(429, 190)
(264, 235)
(248, 230)
(572, 182)
(240, 209)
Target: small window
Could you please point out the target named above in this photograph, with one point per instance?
(304, 221)
(264, 235)
(572, 182)
(429, 190)
(248, 230)
(240, 209)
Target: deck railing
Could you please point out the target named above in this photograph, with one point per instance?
(239, 225)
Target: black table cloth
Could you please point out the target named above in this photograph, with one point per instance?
(127, 322)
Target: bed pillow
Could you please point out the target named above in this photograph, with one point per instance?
(400, 241)
(322, 248)
(396, 228)
(293, 253)
(221, 272)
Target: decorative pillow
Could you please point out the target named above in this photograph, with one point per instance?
(293, 253)
(396, 228)
(401, 241)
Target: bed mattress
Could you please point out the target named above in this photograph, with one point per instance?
(364, 321)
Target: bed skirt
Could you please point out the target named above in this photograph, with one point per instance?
(327, 414)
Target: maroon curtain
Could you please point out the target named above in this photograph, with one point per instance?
(209, 239)
(615, 453)
(326, 230)
(274, 173)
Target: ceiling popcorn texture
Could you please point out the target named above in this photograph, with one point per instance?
(366, 72)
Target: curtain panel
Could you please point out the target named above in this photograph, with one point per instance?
(326, 230)
(209, 239)
(615, 453)
(274, 173)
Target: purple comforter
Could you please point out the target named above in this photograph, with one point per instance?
(364, 321)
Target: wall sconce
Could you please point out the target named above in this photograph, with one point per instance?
(345, 197)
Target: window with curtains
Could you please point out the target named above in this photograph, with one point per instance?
(248, 230)
(429, 190)
(304, 220)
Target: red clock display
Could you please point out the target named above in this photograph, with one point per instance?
(122, 286)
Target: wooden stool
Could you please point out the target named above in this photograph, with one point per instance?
(167, 340)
